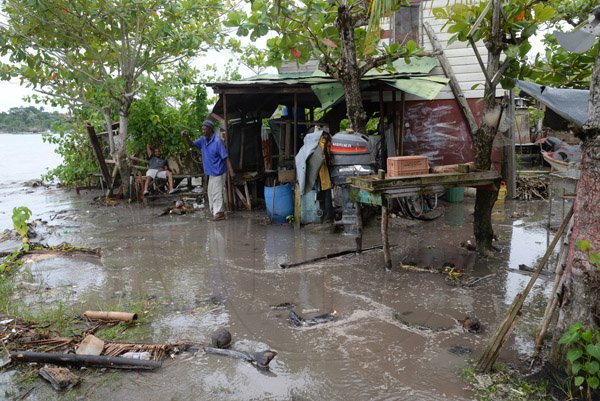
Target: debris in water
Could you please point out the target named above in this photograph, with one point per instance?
(299, 321)
(284, 305)
(459, 350)
(471, 324)
(59, 378)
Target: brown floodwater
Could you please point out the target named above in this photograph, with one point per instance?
(396, 333)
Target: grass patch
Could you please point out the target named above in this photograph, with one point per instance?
(505, 384)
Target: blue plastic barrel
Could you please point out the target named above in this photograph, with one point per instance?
(280, 202)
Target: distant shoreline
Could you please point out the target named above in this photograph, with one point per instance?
(24, 133)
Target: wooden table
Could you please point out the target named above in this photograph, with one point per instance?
(371, 190)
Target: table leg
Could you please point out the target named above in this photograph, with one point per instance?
(359, 226)
(384, 236)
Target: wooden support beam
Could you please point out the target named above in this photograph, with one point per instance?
(99, 155)
(359, 226)
(454, 84)
(229, 183)
(385, 239)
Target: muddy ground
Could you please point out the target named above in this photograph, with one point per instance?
(396, 335)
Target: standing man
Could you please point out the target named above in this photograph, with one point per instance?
(216, 163)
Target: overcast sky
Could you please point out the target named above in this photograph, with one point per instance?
(11, 93)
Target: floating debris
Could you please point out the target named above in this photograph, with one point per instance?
(471, 324)
(459, 350)
(283, 305)
(299, 321)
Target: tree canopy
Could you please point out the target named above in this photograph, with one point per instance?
(96, 52)
(336, 33)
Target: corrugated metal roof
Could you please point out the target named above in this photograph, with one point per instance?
(318, 89)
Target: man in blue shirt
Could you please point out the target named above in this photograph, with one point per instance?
(216, 163)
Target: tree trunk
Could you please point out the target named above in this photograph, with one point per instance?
(485, 197)
(111, 145)
(580, 290)
(121, 155)
(349, 72)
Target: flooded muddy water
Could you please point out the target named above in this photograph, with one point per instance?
(396, 335)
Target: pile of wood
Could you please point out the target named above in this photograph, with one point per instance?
(532, 187)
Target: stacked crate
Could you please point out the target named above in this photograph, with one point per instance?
(399, 166)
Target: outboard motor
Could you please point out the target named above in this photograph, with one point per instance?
(352, 156)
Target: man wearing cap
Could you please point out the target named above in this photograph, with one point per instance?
(216, 163)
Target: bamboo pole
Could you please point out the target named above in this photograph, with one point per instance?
(486, 361)
(107, 315)
(560, 263)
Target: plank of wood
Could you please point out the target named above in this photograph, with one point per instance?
(99, 155)
(478, 178)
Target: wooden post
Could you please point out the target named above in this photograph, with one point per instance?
(295, 125)
(229, 184)
(99, 155)
(359, 226)
(387, 259)
(241, 161)
(297, 206)
(454, 85)
(491, 352)
(395, 123)
(402, 104)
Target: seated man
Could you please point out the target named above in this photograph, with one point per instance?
(157, 168)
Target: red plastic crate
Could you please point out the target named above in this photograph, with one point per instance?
(398, 166)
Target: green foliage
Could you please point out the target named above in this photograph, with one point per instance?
(535, 114)
(583, 355)
(73, 145)
(593, 257)
(162, 113)
(522, 20)
(560, 68)
(28, 119)
(20, 216)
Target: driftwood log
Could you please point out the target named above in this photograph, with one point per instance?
(92, 361)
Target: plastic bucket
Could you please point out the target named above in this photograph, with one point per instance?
(455, 195)
(280, 202)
